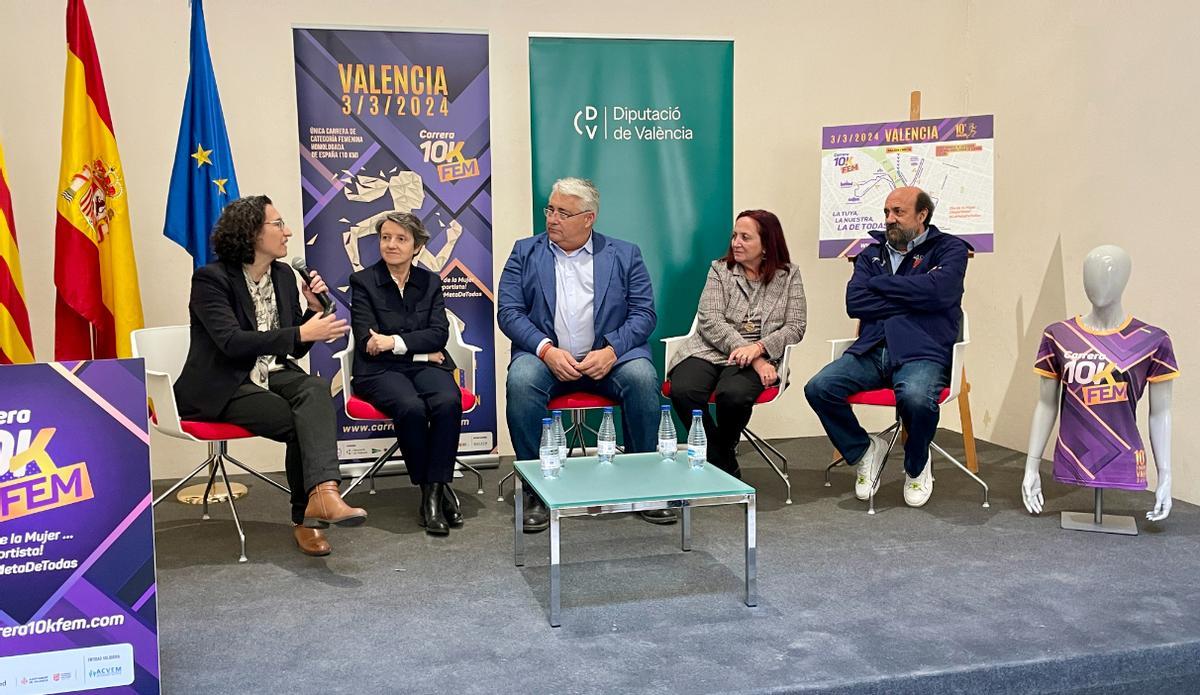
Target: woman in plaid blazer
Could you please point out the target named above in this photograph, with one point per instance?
(751, 308)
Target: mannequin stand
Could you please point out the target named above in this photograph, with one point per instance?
(1098, 521)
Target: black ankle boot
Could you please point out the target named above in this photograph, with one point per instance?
(431, 510)
(450, 510)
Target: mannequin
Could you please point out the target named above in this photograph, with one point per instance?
(1105, 273)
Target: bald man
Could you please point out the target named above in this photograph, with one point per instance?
(906, 293)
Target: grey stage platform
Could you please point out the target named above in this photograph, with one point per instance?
(950, 598)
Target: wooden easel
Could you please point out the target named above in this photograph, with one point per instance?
(964, 396)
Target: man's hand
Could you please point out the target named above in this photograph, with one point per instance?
(562, 365)
(746, 354)
(437, 357)
(379, 343)
(327, 328)
(598, 363)
(314, 287)
(766, 372)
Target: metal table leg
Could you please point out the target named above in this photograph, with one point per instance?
(685, 528)
(751, 555)
(555, 589)
(518, 517)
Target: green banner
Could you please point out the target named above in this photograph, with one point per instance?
(650, 121)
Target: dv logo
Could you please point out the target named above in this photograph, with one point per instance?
(588, 114)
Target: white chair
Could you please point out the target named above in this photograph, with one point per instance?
(768, 395)
(886, 397)
(359, 409)
(164, 350)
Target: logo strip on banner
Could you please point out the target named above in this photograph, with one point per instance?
(399, 121)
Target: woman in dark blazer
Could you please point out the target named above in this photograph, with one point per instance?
(751, 308)
(400, 331)
(246, 331)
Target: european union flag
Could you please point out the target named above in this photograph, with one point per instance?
(202, 180)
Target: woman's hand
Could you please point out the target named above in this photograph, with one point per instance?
(379, 343)
(746, 354)
(766, 372)
(437, 357)
(311, 289)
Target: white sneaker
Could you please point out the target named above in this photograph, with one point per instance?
(917, 490)
(868, 468)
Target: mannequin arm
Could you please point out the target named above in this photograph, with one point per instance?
(1160, 444)
(1044, 415)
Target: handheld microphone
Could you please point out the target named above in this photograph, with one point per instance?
(301, 267)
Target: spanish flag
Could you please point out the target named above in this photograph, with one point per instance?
(16, 341)
(95, 273)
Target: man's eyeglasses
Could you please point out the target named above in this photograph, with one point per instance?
(278, 223)
(561, 214)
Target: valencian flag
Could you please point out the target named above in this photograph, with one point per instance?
(202, 180)
(98, 302)
(16, 341)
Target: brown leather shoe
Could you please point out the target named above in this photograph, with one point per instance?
(311, 541)
(325, 507)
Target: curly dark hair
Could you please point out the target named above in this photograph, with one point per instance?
(238, 228)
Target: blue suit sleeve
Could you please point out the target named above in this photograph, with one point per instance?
(936, 290)
(511, 312)
(863, 302)
(640, 318)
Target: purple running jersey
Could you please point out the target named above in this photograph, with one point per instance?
(1103, 376)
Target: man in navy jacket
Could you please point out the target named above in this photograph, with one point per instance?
(579, 308)
(906, 292)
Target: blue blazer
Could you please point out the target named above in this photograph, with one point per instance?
(623, 305)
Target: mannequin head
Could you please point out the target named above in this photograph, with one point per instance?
(1105, 274)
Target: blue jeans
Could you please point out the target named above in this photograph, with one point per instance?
(531, 385)
(917, 384)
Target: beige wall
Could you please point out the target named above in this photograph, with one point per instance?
(1067, 82)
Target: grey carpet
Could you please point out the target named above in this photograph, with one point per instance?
(946, 599)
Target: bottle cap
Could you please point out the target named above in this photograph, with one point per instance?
(608, 408)
(545, 421)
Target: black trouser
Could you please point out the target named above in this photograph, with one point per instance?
(693, 381)
(425, 405)
(298, 411)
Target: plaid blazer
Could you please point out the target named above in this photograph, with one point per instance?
(724, 304)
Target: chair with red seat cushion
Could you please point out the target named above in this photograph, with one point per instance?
(887, 398)
(768, 395)
(164, 350)
(359, 409)
(576, 403)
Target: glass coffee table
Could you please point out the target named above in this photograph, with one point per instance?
(631, 483)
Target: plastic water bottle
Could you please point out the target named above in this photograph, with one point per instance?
(606, 440)
(697, 441)
(548, 451)
(560, 436)
(668, 441)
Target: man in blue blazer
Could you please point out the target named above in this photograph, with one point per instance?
(579, 308)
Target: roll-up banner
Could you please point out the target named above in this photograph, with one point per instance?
(399, 121)
(77, 581)
(650, 121)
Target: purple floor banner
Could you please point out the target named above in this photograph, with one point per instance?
(400, 121)
(77, 583)
(950, 158)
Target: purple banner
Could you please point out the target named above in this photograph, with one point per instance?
(907, 132)
(400, 121)
(77, 608)
(951, 159)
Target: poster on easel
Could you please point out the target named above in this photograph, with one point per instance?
(950, 158)
(78, 605)
(399, 121)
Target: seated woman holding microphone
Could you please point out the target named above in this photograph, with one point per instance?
(751, 308)
(400, 330)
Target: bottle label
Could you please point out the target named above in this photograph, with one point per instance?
(550, 460)
(697, 453)
(604, 448)
(667, 447)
